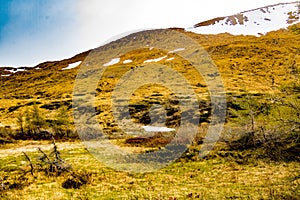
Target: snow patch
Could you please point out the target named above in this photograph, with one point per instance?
(72, 66)
(5, 75)
(177, 50)
(155, 60)
(169, 59)
(157, 129)
(15, 70)
(254, 22)
(112, 62)
(127, 61)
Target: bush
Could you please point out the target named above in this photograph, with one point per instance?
(273, 127)
(61, 124)
(33, 125)
(6, 135)
(77, 180)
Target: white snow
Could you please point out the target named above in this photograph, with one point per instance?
(177, 50)
(157, 129)
(112, 62)
(155, 60)
(169, 59)
(127, 61)
(151, 48)
(255, 22)
(37, 68)
(72, 66)
(15, 70)
(5, 75)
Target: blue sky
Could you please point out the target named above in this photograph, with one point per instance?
(4, 15)
(34, 31)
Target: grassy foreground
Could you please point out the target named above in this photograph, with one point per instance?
(214, 178)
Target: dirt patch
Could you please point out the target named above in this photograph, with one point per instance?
(32, 146)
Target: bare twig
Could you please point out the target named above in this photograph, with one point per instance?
(44, 156)
(31, 165)
(56, 152)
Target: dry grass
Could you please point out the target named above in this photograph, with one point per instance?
(247, 64)
(218, 178)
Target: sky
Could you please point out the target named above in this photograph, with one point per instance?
(35, 31)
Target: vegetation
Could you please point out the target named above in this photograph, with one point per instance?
(222, 177)
(32, 124)
(257, 156)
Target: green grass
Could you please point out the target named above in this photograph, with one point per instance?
(217, 178)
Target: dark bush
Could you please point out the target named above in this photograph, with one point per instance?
(77, 180)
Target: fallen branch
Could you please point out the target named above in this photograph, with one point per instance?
(31, 164)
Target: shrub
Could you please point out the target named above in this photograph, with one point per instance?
(61, 124)
(77, 180)
(6, 135)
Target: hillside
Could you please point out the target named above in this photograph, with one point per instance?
(166, 130)
(246, 63)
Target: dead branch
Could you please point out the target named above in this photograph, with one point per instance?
(31, 164)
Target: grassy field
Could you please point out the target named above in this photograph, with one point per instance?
(214, 178)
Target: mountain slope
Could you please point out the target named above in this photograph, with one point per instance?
(247, 64)
(253, 22)
(257, 65)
